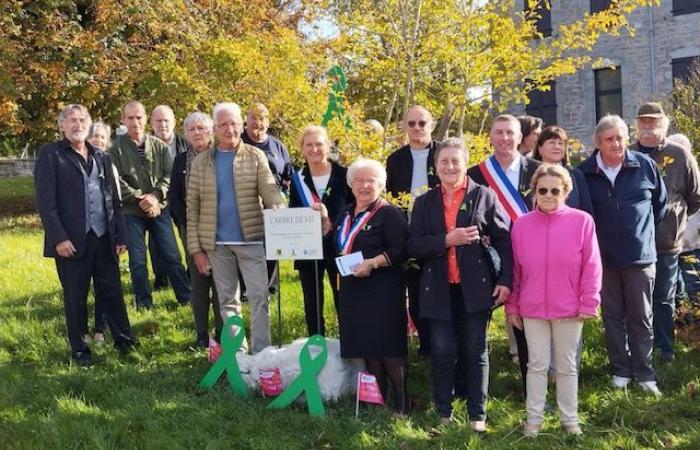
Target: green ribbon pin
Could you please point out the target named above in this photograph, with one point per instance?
(306, 380)
(227, 361)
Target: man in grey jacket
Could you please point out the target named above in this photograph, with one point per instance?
(679, 171)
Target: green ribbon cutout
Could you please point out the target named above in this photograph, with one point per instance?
(227, 360)
(336, 96)
(306, 380)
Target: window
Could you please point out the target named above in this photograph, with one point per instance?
(544, 22)
(543, 104)
(685, 7)
(599, 5)
(608, 92)
(680, 68)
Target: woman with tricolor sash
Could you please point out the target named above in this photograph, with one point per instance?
(372, 304)
(319, 182)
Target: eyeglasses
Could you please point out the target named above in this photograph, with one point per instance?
(363, 181)
(543, 191)
(420, 123)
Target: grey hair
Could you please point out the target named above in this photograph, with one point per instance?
(165, 108)
(452, 143)
(665, 123)
(70, 108)
(200, 117)
(100, 124)
(610, 121)
(227, 106)
(681, 140)
(365, 163)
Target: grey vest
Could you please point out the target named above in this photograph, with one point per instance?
(95, 214)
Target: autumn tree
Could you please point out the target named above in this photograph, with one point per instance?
(686, 108)
(189, 54)
(462, 59)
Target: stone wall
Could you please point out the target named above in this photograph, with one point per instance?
(11, 167)
(673, 37)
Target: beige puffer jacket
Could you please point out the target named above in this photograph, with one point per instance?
(254, 182)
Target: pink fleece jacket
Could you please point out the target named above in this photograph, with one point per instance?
(557, 270)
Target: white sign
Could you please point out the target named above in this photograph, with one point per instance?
(293, 233)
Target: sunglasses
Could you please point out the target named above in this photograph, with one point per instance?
(543, 191)
(420, 123)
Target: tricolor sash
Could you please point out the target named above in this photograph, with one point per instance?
(507, 194)
(349, 229)
(307, 196)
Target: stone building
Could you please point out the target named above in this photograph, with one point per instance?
(666, 41)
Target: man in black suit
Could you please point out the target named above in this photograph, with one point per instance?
(509, 173)
(84, 229)
(411, 170)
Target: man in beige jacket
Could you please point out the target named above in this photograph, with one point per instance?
(225, 221)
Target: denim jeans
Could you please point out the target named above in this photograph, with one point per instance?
(460, 358)
(161, 228)
(665, 301)
(689, 263)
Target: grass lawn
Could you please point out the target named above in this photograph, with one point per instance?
(151, 400)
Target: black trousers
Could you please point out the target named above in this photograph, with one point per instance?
(422, 325)
(310, 285)
(522, 357)
(97, 264)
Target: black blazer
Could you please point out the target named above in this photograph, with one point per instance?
(427, 244)
(177, 192)
(60, 198)
(527, 170)
(336, 198)
(399, 169)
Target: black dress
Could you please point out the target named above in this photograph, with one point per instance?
(372, 310)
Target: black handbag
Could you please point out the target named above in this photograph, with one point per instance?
(493, 259)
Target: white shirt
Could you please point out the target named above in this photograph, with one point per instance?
(610, 172)
(419, 177)
(321, 183)
(513, 172)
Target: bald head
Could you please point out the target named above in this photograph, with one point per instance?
(163, 123)
(418, 125)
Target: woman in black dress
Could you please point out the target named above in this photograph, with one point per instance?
(320, 180)
(372, 305)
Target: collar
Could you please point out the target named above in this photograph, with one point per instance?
(462, 186)
(557, 212)
(515, 165)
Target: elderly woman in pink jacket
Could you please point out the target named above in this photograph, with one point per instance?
(556, 287)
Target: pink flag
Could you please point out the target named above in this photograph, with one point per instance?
(368, 389)
(270, 382)
(214, 350)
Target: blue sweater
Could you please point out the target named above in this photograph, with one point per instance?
(625, 214)
(228, 223)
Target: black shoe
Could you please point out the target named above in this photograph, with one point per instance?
(667, 359)
(184, 302)
(203, 340)
(84, 359)
(143, 306)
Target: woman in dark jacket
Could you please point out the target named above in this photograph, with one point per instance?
(458, 286)
(198, 132)
(320, 180)
(372, 303)
(552, 148)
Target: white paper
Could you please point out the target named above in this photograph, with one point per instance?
(346, 264)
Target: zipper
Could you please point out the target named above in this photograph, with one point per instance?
(546, 268)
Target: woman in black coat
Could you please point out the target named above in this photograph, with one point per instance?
(458, 286)
(198, 132)
(320, 180)
(372, 303)
(552, 148)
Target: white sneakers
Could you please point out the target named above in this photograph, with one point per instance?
(651, 387)
(620, 382)
(647, 386)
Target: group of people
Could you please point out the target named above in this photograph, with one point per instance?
(549, 241)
